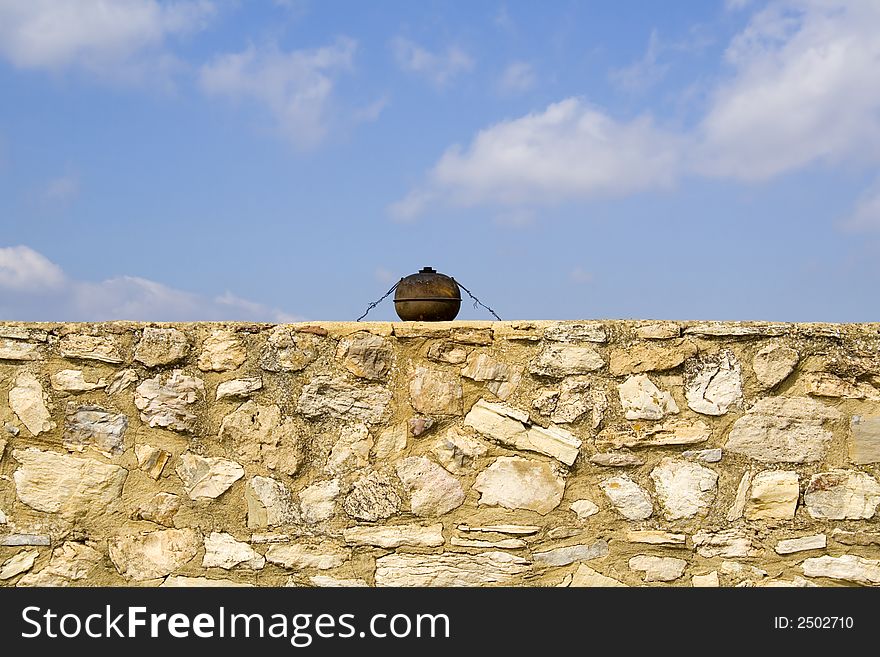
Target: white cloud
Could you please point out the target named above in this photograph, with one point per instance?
(866, 213)
(438, 68)
(571, 150)
(518, 77)
(36, 288)
(24, 270)
(101, 36)
(296, 86)
(804, 90)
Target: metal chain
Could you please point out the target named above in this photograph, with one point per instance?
(477, 301)
(377, 302)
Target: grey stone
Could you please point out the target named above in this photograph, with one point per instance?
(166, 401)
(95, 428)
(564, 556)
(518, 483)
(372, 497)
(325, 396)
(433, 491)
(783, 430)
(705, 455)
(15, 540)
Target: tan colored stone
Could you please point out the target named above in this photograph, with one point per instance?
(842, 494)
(783, 430)
(658, 569)
(269, 503)
(394, 536)
(855, 538)
(207, 477)
(289, 351)
(95, 428)
(650, 357)
(485, 568)
(709, 580)
(713, 383)
(560, 360)
(18, 350)
(457, 452)
(221, 352)
(447, 352)
(161, 346)
(482, 367)
(641, 399)
(391, 442)
(576, 332)
(323, 557)
(774, 496)
(516, 530)
(166, 401)
(70, 563)
(435, 391)
(728, 543)
(122, 380)
(575, 400)
(518, 483)
(336, 398)
(563, 556)
(864, 439)
(432, 490)
(822, 384)
(56, 483)
(510, 427)
(90, 347)
(155, 554)
(223, 551)
(179, 581)
(260, 434)
(658, 331)
(318, 501)
(151, 459)
(19, 563)
(584, 508)
(585, 576)
(28, 401)
(801, 544)
(616, 459)
(627, 497)
(336, 582)
(848, 568)
(74, 381)
(736, 329)
(239, 388)
(160, 508)
(652, 537)
(670, 432)
(351, 451)
(684, 488)
(502, 544)
(366, 355)
(773, 364)
(739, 502)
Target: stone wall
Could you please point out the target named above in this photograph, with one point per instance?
(464, 453)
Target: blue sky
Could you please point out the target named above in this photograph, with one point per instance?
(290, 160)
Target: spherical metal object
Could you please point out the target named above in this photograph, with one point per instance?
(427, 296)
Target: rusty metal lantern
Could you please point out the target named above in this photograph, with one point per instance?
(427, 296)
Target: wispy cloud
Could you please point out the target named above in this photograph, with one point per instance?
(517, 78)
(120, 39)
(644, 73)
(32, 287)
(296, 86)
(865, 216)
(62, 189)
(439, 68)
